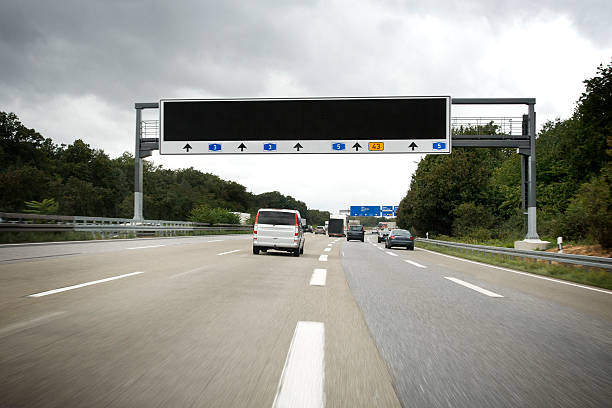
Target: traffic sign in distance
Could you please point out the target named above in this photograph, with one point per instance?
(309, 125)
(365, 211)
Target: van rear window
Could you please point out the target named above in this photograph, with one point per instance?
(276, 218)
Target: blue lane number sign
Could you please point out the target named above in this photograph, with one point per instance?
(339, 146)
(439, 146)
(270, 147)
(214, 147)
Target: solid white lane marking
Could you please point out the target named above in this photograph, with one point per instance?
(474, 287)
(531, 275)
(391, 253)
(303, 378)
(51, 292)
(318, 277)
(418, 265)
(144, 247)
(323, 258)
(12, 328)
(229, 252)
(327, 249)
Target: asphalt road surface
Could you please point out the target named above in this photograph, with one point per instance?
(202, 322)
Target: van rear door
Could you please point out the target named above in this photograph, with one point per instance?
(277, 228)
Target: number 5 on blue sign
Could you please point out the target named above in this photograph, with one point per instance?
(439, 146)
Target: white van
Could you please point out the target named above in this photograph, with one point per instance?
(278, 229)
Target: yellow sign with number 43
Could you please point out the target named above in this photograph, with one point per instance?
(376, 146)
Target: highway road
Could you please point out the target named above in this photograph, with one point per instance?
(202, 322)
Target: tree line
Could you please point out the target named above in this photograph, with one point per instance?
(37, 174)
(476, 193)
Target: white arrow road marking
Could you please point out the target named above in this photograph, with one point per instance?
(474, 287)
(302, 380)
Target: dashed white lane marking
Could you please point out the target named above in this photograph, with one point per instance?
(391, 253)
(303, 377)
(215, 240)
(418, 265)
(473, 287)
(531, 275)
(144, 247)
(327, 249)
(51, 292)
(229, 252)
(381, 248)
(323, 258)
(330, 244)
(318, 277)
(12, 328)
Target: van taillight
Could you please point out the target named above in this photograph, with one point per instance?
(411, 238)
(255, 226)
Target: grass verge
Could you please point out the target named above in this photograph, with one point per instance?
(30, 237)
(593, 276)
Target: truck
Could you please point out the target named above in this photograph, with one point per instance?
(336, 225)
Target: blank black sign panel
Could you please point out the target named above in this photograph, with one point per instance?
(305, 119)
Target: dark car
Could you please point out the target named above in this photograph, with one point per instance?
(319, 230)
(355, 232)
(401, 238)
(308, 228)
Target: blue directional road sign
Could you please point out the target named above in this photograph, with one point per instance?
(365, 211)
(269, 147)
(214, 147)
(438, 146)
(339, 146)
(387, 208)
(387, 213)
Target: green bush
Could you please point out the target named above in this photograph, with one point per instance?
(208, 215)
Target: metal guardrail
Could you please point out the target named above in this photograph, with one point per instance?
(583, 260)
(19, 222)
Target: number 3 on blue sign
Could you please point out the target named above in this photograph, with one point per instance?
(214, 147)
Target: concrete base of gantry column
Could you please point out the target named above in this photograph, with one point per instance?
(531, 244)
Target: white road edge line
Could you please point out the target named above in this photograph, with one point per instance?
(327, 249)
(51, 292)
(318, 277)
(474, 287)
(531, 275)
(323, 258)
(144, 247)
(418, 265)
(229, 252)
(391, 253)
(303, 378)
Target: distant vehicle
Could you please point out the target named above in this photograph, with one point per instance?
(319, 230)
(355, 232)
(278, 229)
(373, 231)
(336, 226)
(308, 228)
(400, 237)
(382, 235)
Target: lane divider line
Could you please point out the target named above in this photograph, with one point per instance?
(303, 378)
(229, 252)
(323, 258)
(474, 287)
(144, 247)
(318, 277)
(391, 253)
(216, 240)
(51, 292)
(327, 249)
(531, 275)
(418, 265)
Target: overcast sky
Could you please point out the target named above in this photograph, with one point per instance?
(73, 69)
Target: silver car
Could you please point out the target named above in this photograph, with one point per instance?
(278, 229)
